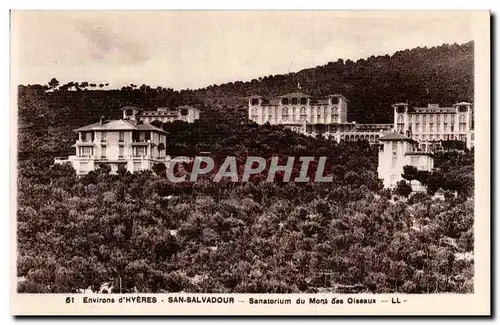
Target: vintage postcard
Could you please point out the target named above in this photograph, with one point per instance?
(250, 163)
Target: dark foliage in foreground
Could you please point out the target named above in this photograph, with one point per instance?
(146, 233)
(155, 236)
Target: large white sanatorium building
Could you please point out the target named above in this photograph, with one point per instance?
(432, 124)
(130, 142)
(409, 140)
(328, 116)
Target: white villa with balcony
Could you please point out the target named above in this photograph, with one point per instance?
(127, 142)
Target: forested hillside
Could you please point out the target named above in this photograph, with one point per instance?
(443, 74)
(142, 233)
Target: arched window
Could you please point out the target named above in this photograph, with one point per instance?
(285, 110)
(303, 101)
(294, 101)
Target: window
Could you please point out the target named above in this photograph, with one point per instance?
(285, 111)
(147, 136)
(303, 111)
(445, 127)
(431, 127)
(255, 101)
(334, 100)
(417, 127)
(284, 101)
(401, 109)
(303, 101)
(462, 123)
(103, 136)
(462, 108)
(86, 151)
(103, 152)
(294, 101)
(84, 136)
(129, 112)
(120, 151)
(121, 136)
(184, 111)
(140, 151)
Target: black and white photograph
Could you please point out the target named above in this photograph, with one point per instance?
(220, 157)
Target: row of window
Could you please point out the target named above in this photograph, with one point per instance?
(294, 101)
(437, 118)
(302, 111)
(431, 127)
(89, 151)
(287, 117)
(136, 136)
(431, 137)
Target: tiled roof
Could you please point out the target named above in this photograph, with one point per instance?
(117, 125)
(107, 125)
(149, 127)
(295, 94)
(395, 136)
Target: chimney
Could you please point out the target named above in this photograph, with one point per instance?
(101, 120)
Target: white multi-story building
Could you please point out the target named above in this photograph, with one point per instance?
(163, 114)
(128, 143)
(396, 151)
(297, 108)
(312, 116)
(432, 124)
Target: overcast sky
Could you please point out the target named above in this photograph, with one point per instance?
(192, 49)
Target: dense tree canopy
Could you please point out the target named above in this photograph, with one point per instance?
(142, 233)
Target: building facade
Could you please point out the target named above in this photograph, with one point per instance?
(301, 113)
(396, 151)
(297, 108)
(433, 124)
(162, 114)
(304, 114)
(128, 143)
